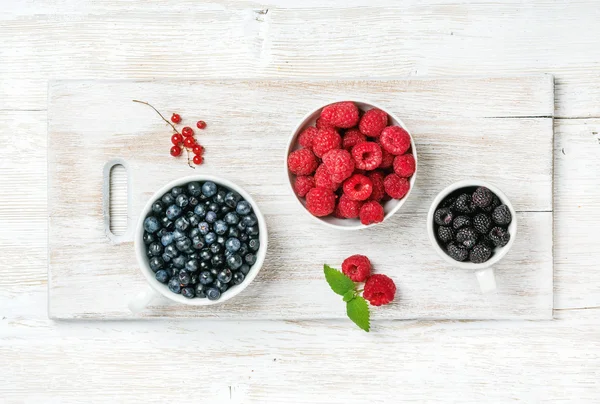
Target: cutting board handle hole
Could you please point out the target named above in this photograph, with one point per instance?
(116, 199)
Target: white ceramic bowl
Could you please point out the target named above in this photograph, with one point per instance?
(390, 207)
(499, 252)
(162, 288)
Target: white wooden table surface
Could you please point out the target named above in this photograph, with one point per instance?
(304, 362)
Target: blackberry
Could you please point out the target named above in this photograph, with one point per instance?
(445, 234)
(466, 237)
(448, 202)
(443, 216)
(486, 239)
(499, 237)
(463, 204)
(480, 253)
(482, 197)
(482, 223)
(457, 252)
(502, 216)
(461, 221)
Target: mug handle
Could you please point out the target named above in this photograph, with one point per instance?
(142, 300)
(486, 279)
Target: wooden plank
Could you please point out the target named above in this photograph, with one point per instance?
(447, 133)
(387, 40)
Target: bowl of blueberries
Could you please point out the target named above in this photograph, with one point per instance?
(200, 240)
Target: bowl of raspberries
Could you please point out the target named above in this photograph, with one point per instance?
(200, 240)
(472, 225)
(351, 164)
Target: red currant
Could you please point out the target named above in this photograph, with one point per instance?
(198, 160)
(187, 131)
(197, 149)
(176, 139)
(201, 124)
(175, 151)
(175, 118)
(189, 142)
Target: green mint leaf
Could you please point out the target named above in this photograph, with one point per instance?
(349, 295)
(339, 282)
(358, 311)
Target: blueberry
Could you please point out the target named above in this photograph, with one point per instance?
(178, 235)
(184, 277)
(200, 290)
(198, 242)
(244, 269)
(220, 197)
(188, 292)
(151, 224)
(216, 248)
(225, 275)
(213, 293)
(233, 244)
(188, 213)
(209, 188)
(231, 199)
(194, 220)
(173, 212)
(194, 201)
(166, 257)
(156, 263)
(221, 240)
(224, 210)
(158, 207)
(176, 191)
(220, 285)
(205, 278)
(205, 265)
(182, 223)
(182, 201)
(254, 244)
(214, 272)
(251, 231)
(220, 227)
(171, 251)
(192, 265)
(148, 254)
(162, 276)
(241, 226)
(243, 208)
(210, 238)
(166, 239)
(250, 259)
(243, 249)
(205, 254)
(200, 210)
(217, 261)
(148, 238)
(234, 261)
(161, 232)
(211, 217)
(174, 285)
(250, 220)
(204, 228)
(183, 244)
(179, 262)
(233, 232)
(167, 223)
(155, 249)
(194, 188)
(168, 199)
(237, 278)
(232, 218)
(194, 278)
(213, 207)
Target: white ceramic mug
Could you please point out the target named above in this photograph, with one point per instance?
(155, 287)
(484, 271)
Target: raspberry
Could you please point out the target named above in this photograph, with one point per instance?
(302, 162)
(323, 179)
(373, 122)
(303, 184)
(321, 124)
(320, 201)
(367, 155)
(326, 140)
(348, 208)
(341, 114)
(404, 165)
(379, 290)
(387, 159)
(357, 267)
(371, 212)
(395, 186)
(395, 140)
(306, 137)
(378, 188)
(352, 137)
(339, 163)
(358, 187)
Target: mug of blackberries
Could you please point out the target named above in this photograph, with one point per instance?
(472, 225)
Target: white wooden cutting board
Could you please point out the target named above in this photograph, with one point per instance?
(494, 128)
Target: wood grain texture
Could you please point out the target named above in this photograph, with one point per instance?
(452, 120)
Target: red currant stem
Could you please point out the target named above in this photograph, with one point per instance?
(358, 291)
(188, 158)
(163, 118)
